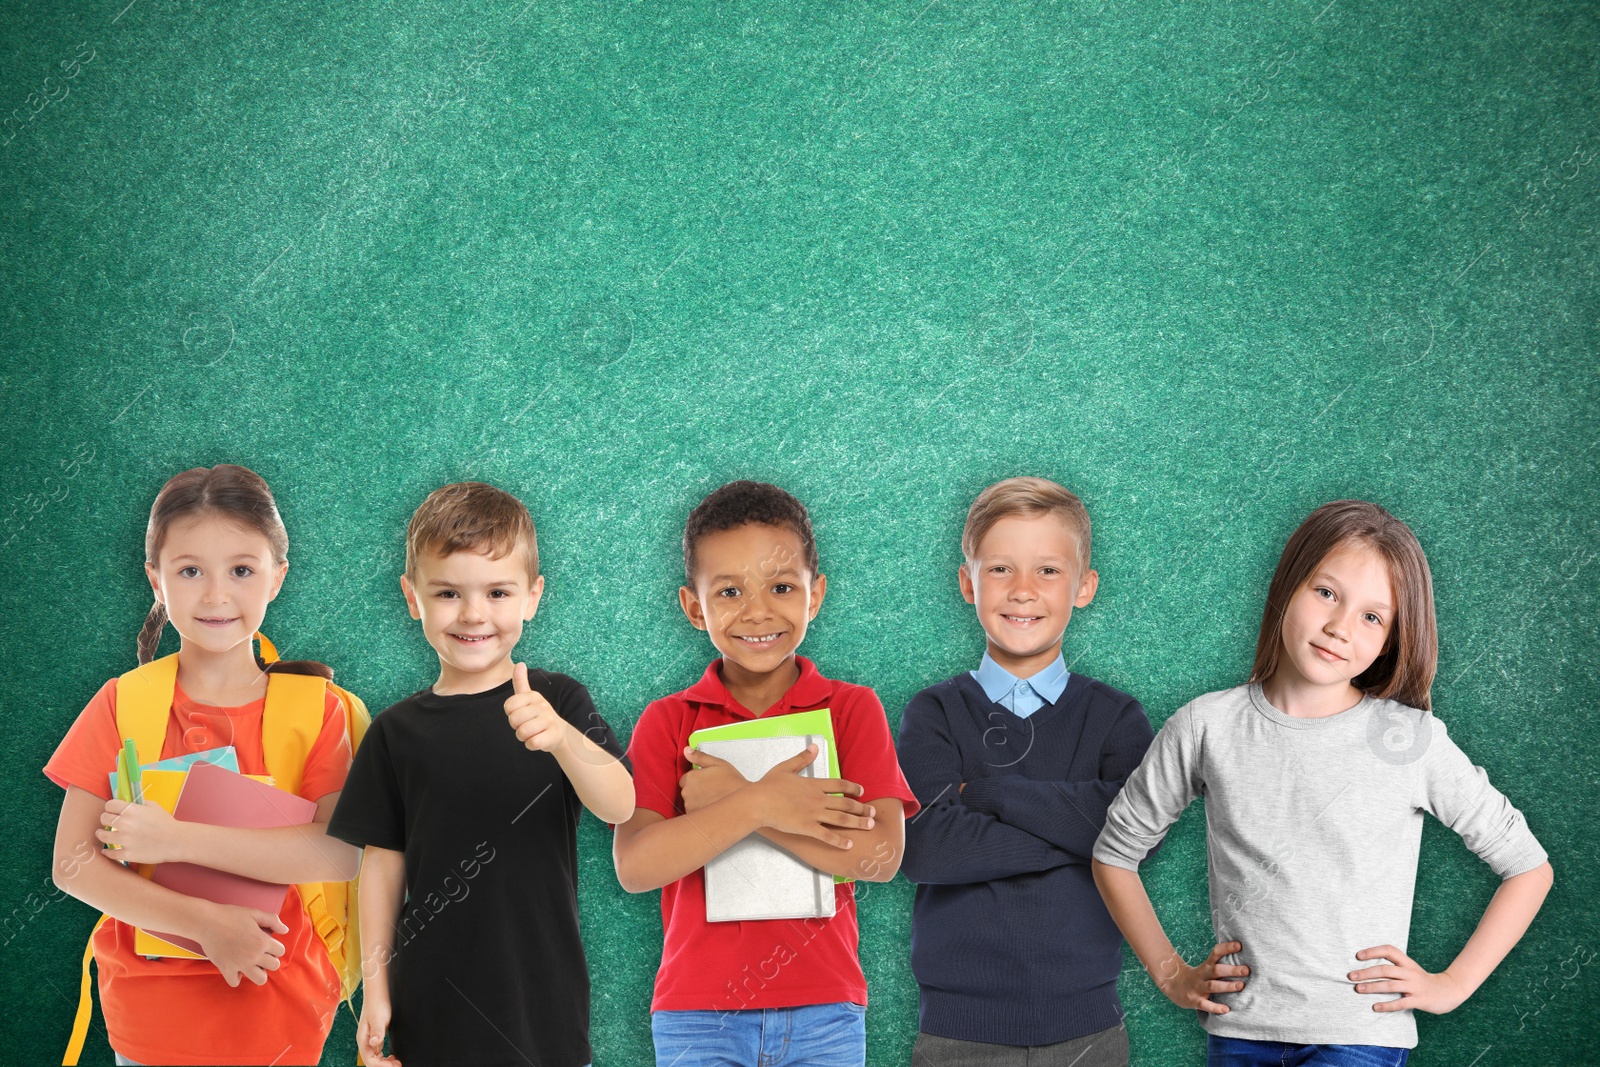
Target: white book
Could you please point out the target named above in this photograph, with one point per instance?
(754, 878)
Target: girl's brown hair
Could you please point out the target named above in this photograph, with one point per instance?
(228, 492)
(1405, 668)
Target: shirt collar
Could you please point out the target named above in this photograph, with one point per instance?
(997, 681)
(809, 690)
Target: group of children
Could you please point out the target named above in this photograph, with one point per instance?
(1020, 798)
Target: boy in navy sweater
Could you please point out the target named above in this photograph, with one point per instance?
(1014, 765)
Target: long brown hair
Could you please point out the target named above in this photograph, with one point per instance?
(1405, 668)
(230, 492)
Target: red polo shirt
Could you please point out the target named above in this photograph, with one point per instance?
(767, 963)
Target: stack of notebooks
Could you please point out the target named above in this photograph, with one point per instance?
(756, 879)
(206, 787)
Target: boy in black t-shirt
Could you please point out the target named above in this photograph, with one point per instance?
(466, 797)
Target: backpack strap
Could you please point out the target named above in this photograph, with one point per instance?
(144, 703)
(290, 725)
(80, 1024)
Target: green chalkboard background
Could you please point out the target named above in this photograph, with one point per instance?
(1209, 264)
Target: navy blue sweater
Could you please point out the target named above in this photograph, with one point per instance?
(1010, 941)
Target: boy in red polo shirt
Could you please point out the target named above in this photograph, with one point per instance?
(781, 992)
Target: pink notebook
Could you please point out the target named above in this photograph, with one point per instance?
(225, 798)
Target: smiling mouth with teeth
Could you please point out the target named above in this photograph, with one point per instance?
(1022, 618)
(760, 642)
(472, 639)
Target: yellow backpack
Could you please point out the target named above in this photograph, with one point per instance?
(290, 724)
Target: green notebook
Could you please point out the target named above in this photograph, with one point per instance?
(795, 724)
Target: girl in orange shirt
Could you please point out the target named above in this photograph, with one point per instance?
(266, 992)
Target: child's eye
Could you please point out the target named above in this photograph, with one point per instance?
(1050, 570)
(1373, 619)
(446, 593)
(782, 587)
(1324, 589)
(184, 572)
(246, 568)
(726, 590)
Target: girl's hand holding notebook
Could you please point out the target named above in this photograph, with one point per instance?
(234, 939)
(143, 833)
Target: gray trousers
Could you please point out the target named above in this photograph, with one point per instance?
(1108, 1048)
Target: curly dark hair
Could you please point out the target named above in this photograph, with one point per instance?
(741, 503)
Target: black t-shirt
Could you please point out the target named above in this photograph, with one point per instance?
(488, 967)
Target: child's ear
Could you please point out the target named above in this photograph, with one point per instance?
(411, 597)
(277, 581)
(819, 589)
(155, 579)
(969, 592)
(692, 608)
(1086, 588)
(534, 594)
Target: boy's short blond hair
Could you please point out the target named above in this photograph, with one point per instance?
(1025, 496)
(471, 517)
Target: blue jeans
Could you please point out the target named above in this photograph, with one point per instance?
(811, 1035)
(1239, 1052)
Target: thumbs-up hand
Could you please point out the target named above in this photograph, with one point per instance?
(536, 723)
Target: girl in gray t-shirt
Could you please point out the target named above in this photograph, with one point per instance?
(1316, 774)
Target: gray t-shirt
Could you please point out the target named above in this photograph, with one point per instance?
(1312, 833)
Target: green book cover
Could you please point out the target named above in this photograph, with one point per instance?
(795, 724)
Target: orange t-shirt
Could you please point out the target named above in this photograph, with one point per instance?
(182, 1011)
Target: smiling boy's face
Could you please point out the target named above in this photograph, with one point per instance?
(752, 596)
(472, 609)
(1024, 583)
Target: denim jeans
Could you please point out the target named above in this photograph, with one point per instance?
(811, 1035)
(1239, 1052)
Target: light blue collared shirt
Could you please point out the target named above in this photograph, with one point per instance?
(1022, 696)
